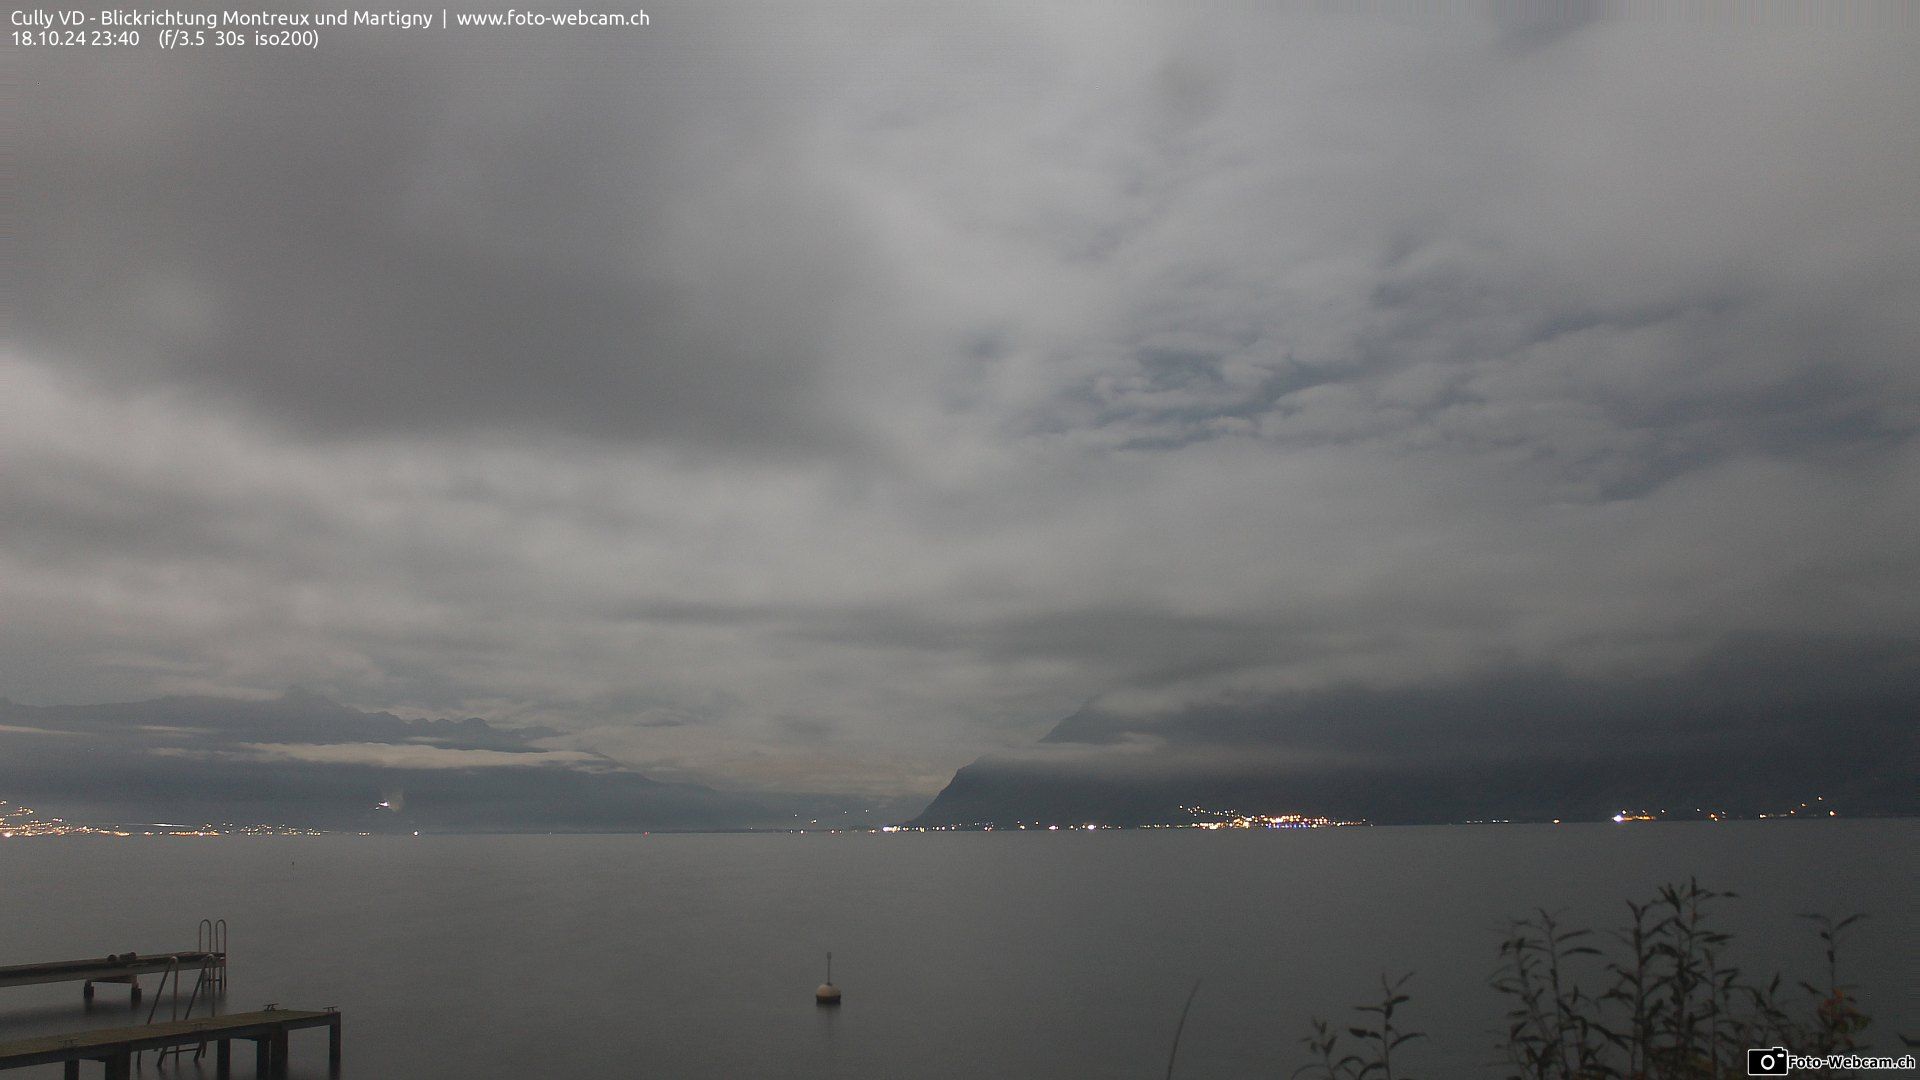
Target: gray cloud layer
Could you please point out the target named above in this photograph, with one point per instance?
(813, 398)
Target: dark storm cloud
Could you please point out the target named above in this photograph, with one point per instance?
(1832, 691)
(812, 399)
(1755, 727)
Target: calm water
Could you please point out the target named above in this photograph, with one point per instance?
(961, 955)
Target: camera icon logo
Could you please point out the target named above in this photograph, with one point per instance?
(1771, 1061)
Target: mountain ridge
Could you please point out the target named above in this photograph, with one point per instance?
(1753, 727)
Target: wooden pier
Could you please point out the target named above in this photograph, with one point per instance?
(115, 1047)
(124, 968)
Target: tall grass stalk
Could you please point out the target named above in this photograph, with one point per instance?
(1670, 1005)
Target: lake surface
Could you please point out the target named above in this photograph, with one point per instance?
(1044, 955)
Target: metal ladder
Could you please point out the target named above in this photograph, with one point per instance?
(211, 937)
(210, 941)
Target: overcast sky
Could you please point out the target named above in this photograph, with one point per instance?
(812, 397)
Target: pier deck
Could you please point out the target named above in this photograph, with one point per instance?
(105, 969)
(125, 968)
(115, 1047)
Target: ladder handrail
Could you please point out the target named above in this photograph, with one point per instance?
(205, 978)
(211, 937)
(210, 941)
(173, 969)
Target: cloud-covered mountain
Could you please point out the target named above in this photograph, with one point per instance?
(1752, 728)
(304, 760)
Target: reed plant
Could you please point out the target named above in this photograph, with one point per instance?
(1657, 999)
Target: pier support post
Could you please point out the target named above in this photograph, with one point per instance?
(73, 1071)
(223, 1059)
(262, 1057)
(120, 1066)
(333, 1045)
(279, 1044)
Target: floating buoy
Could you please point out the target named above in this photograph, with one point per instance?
(827, 994)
